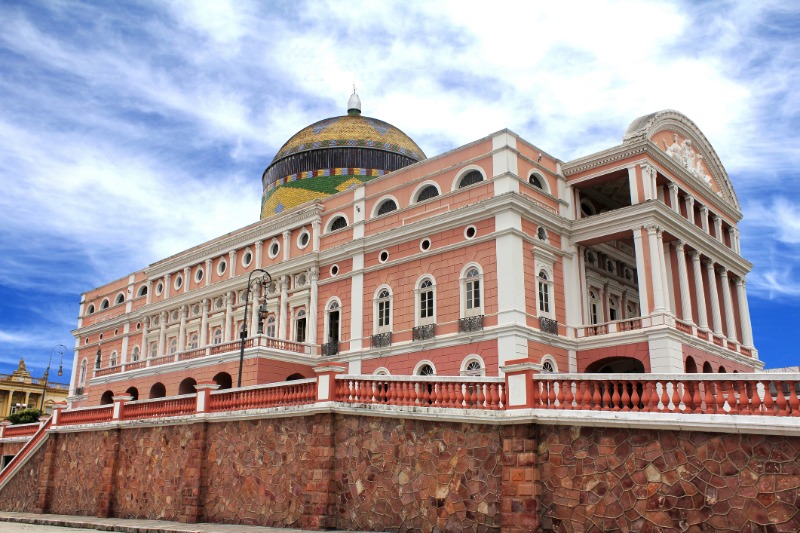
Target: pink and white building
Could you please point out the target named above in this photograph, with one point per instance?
(387, 262)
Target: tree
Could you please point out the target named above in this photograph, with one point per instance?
(25, 416)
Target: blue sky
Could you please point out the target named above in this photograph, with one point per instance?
(130, 132)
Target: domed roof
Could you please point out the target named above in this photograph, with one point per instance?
(351, 130)
(332, 155)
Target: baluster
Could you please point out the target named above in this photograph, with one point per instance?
(636, 400)
(481, 396)
(586, 397)
(568, 396)
(560, 396)
(460, 395)
(664, 399)
(709, 406)
(730, 397)
(794, 402)
(626, 397)
(606, 396)
(781, 401)
(495, 401)
(687, 397)
(451, 394)
(755, 399)
(427, 397)
(676, 396)
(596, 399)
(697, 398)
(551, 397)
(615, 398)
(536, 396)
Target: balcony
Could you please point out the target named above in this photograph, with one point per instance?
(382, 340)
(470, 323)
(330, 348)
(548, 325)
(423, 333)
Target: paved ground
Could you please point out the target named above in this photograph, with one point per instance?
(53, 523)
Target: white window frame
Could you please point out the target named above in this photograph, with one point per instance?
(463, 172)
(117, 298)
(473, 358)
(136, 354)
(376, 303)
(463, 286)
(424, 185)
(246, 251)
(83, 372)
(113, 359)
(193, 344)
(381, 371)
(213, 336)
(380, 202)
(596, 315)
(271, 325)
(549, 285)
(333, 217)
(296, 315)
(420, 364)
(542, 179)
(333, 304)
(547, 358)
(418, 320)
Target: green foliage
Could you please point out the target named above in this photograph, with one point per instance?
(25, 416)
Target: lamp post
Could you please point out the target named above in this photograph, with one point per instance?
(47, 370)
(266, 279)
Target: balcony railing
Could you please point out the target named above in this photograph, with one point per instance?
(382, 340)
(422, 333)
(423, 391)
(548, 325)
(330, 348)
(470, 323)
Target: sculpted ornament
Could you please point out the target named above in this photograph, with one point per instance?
(686, 157)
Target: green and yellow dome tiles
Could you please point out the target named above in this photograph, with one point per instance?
(333, 155)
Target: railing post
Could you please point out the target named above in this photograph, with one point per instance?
(119, 402)
(204, 389)
(43, 420)
(57, 408)
(3, 425)
(519, 383)
(326, 381)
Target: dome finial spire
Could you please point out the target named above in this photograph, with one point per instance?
(354, 103)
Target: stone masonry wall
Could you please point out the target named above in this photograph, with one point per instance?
(595, 480)
(403, 474)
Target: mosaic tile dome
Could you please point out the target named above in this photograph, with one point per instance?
(332, 155)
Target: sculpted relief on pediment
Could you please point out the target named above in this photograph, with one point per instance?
(682, 151)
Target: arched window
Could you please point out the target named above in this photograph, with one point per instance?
(153, 349)
(594, 308)
(97, 360)
(224, 380)
(707, 369)
(544, 293)
(425, 368)
(470, 178)
(216, 336)
(142, 291)
(300, 326)
(338, 223)
(333, 321)
(135, 354)
(613, 314)
(426, 302)
(541, 234)
(105, 304)
(536, 180)
(270, 326)
(690, 366)
(194, 341)
(173, 345)
(187, 386)
(427, 193)
(112, 361)
(158, 390)
(383, 311)
(90, 309)
(133, 392)
(387, 206)
(82, 378)
(473, 365)
(549, 364)
(120, 299)
(473, 302)
(632, 310)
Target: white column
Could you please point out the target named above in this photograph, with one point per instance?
(167, 285)
(316, 230)
(649, 180)
(186, 279)
(704, 218)
(690, 208)
(259, 252)
(656, 278)
(286, 245)
(644, 302)
(149, 292)
(162, 333)
(633, 185)
(228, 316)
(718, 228)
(125, 331)
(313, 275)
(208, 272)
(683, 279)
(744, 313)
(716, 319)
(182, 330)
(232, 264)
(673, 197)
(666, 273)
(730, 320)
(734, 236)
(145, 349)
(511, 310)
(699, 290)
(204, 323)
(283, 314)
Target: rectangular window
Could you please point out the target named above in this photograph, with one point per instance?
(544, 297)
(383, 314)
(426, 304)
(474, 295)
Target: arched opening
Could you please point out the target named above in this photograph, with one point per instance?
(133, 392)
(616, 365)
(338, 223)
(707, 368)
(158, 390)
(333, 324)
(107, 398)
(187, 386)
(470, 178)
(224, 380)
(427, 193)
(295, 377)
(387, 207)
(690, 366)
(722, 370)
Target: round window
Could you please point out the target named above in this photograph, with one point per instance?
(247, 258)
(198, 274)
(222, 266)
(178, 282)
(383, 257)
(274, 249)
(424, 245)
(334, 270)
(304, 239)
(159, 288)
(470, 232)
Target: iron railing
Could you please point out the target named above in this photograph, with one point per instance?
(330, 348)
(470, 323)
(421, 333)
(548, 325)
(382, 340)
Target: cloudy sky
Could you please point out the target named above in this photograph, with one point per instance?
(131, 131)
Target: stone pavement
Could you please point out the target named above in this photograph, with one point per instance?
(130, 525)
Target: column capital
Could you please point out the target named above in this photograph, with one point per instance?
(647, 168)
(740, 282)
(715, 217)
(163, 316)
(709, 264)
(679, 245)
(695, 255)
(704, 209)
(287, 233)
(672, 186)
(723, 272)
(232, 254)
(259, 242)
(184, 308)
(652, 229)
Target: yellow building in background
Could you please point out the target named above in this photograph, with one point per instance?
(19, 391)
